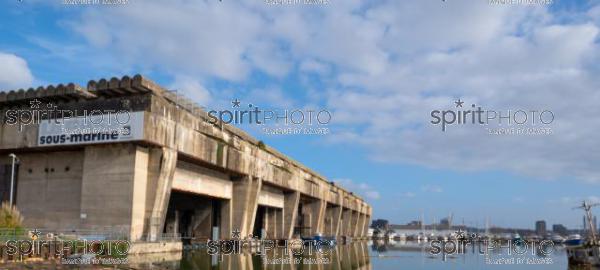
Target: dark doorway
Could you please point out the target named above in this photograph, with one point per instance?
(5, 174)
(259, 222)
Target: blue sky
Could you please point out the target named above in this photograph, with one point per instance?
(380, 69)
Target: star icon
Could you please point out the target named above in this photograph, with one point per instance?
(35, 104)
(236, 103)
(459, 103)
(35, 234)
(235, 234)
(460, 233)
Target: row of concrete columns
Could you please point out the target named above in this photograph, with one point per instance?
(279, 223)
(130, 187)
(240, 212)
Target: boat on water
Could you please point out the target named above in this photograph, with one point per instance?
(587, 250)
(377, 234)
(557, 239)
(422, 237)
(574, 240)
(516, 237)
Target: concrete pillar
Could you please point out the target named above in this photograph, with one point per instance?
(336, 258)
(354, 224)
(226, 219)
(316, 213)
(245, 203)
(351, 223)
(345, 256)
(172, 223)
(364, 254)
(366, 225)
(361, 223)
(161, 168)
(279, 224)
(346, 222)
(290, 213)
(354, 255)
(336, 220)
(306, 221)
(265, 223)
(274, 226)
(241, 261)
(328, 223)
(357, 226)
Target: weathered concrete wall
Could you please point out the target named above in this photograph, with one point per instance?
(129, 184)
(199, 180)
(161, 169)
(270, 196)
(108, 183)
(333, 217)
(49, 189)
(245, 202)
(290, 213)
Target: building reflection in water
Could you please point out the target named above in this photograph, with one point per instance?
(343, 257)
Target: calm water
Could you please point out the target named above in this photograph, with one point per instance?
(360, 255)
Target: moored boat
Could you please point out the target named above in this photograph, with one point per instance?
(585, 251)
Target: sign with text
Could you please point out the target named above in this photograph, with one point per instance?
(90, 129)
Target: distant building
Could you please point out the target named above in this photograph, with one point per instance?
(416, 223)
(540, 227)
(445, 223)
(413, 225)
(560, 229)
(380, 224)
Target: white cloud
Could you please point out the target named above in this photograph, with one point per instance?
(192, 37)
(193, 89)
(534, 69)
(372, 195)
(360, 188)
(314, 66)
(14, 72)
(384, 73)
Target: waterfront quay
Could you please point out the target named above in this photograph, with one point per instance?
(158, 170)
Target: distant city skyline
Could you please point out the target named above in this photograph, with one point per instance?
(541, 227)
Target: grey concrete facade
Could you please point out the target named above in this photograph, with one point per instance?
(144, 186)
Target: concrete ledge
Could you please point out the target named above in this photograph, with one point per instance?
(149, 258)
(155, 247)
